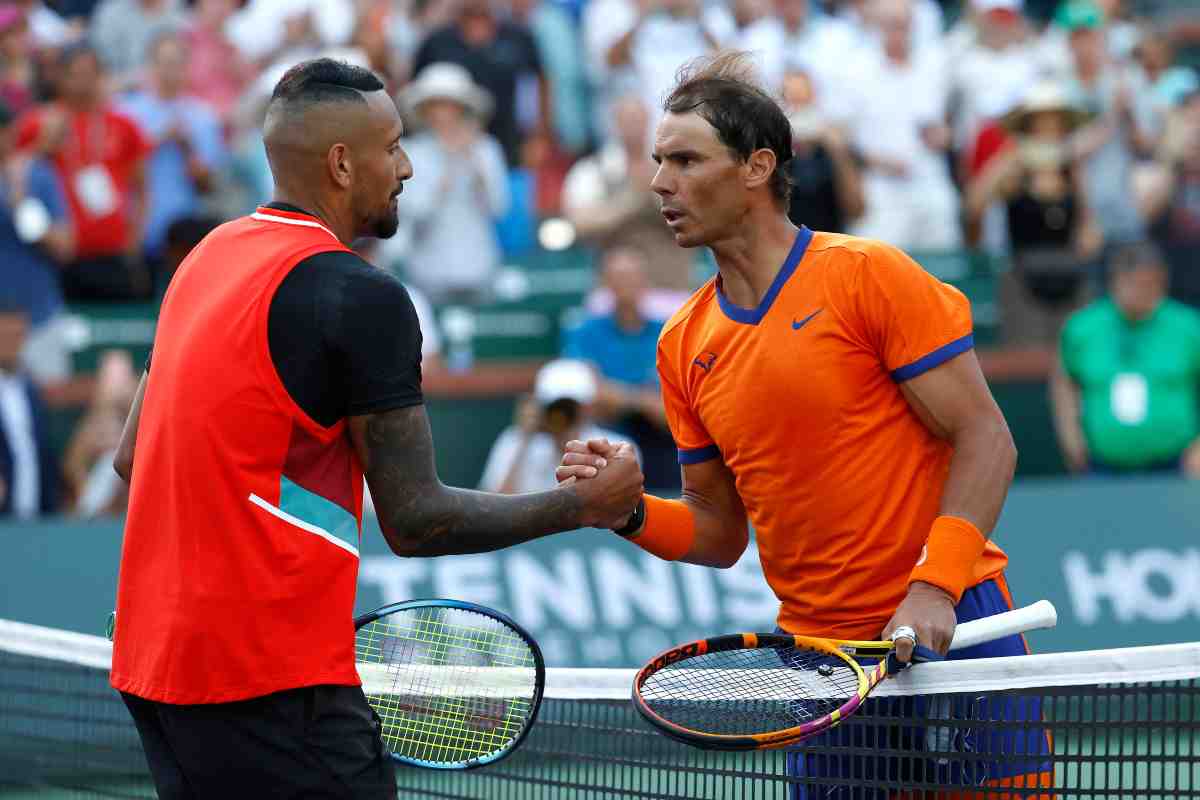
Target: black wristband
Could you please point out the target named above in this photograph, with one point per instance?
(635, 520)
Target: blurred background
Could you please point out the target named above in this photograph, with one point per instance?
(1042, 156)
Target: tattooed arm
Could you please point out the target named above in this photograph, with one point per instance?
(420, 516)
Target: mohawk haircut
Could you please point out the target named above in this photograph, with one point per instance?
(324, 80)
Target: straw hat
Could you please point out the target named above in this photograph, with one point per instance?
(446, 81)
(1041, 97)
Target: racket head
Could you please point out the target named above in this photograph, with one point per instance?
(456, 685)
(754, 691)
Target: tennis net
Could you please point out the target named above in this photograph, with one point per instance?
(1101, 724)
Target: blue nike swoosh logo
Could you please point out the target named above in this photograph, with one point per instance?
(798, 325)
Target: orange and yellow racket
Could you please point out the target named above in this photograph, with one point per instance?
(751, 691)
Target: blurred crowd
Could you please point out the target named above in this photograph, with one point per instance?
(1053, 135)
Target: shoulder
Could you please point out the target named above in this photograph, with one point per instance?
(1100, 313)
(1182, 315)
(350, 269)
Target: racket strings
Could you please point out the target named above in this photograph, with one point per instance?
(450, 685)
(747, 692)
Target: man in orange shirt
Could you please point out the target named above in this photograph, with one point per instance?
(825, 387)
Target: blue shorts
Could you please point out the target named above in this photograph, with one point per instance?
(880, 753)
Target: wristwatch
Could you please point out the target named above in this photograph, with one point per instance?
(635, 520)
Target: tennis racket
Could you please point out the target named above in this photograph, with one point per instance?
(749, 691)
(456, 685)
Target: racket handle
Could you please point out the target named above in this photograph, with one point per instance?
(1030, 618)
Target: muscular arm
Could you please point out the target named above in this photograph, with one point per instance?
(710, 493)
(123, 461)
(420, 516)
(955, 404)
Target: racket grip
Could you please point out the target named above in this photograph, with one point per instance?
(1041, 614)
(920, 655)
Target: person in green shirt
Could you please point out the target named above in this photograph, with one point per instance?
(1126, 393)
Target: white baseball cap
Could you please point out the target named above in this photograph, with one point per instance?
(565, 379)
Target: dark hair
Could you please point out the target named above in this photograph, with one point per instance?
(323, 80)
(723, 90)
(1130, 256)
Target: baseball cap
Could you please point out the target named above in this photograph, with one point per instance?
(565, 379)
(1079, 14)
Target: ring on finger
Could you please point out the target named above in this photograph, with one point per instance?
(904, 632)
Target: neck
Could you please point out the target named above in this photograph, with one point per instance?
(749, 260)
(628, 318)
(167, 92)
(338, 221)
(80, 104)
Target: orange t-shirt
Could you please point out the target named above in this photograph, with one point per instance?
(800, 397)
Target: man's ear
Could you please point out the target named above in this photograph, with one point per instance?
(760, 166)
(340, 165)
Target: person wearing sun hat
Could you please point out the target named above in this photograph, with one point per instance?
(460, 190)
(1051, 228)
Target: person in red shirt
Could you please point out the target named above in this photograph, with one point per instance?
(99, 155)
(825, 388)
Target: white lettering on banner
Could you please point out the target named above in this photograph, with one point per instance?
(561, 587)
(620, 586)
(698, 591)
(750, 603)
(394, 577)
(472, 578)
(1126, 580)
(556, 648)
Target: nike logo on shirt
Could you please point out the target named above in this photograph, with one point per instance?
(798, 325)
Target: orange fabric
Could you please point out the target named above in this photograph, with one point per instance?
(948, 558)
(840, 478)
(669, 529)
(1030, 780)
(228, 589)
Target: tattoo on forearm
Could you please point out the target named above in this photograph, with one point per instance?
(422, 517)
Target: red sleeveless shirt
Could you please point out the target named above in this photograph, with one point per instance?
(240, 557)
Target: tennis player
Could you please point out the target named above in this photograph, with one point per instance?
(826, 387)
(284, 367)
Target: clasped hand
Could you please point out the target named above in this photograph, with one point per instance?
(606, 476)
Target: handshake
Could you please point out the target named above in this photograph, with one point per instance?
(605, 477)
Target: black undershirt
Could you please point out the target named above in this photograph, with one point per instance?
(344, 337)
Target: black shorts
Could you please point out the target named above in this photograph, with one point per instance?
(314, 742)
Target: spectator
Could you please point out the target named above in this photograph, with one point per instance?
(99, 155)
(646, 42)
(816, 44)
(36, 238)
(217, 73)
(1159, 83)
(122, 31)
(525, 455)
(558, 44)
(270, 31)
(827, 192)
(497, 54)
(607, 198)
(925, 28)
(910, 200)
(92, 484)
(28, 470)
(453, 201)
(18, 75)
(994, 69)
(1051, 227)
(1170, 199)
(621, 346)
(1127, 391)
(1111, 144)
(189, 148)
